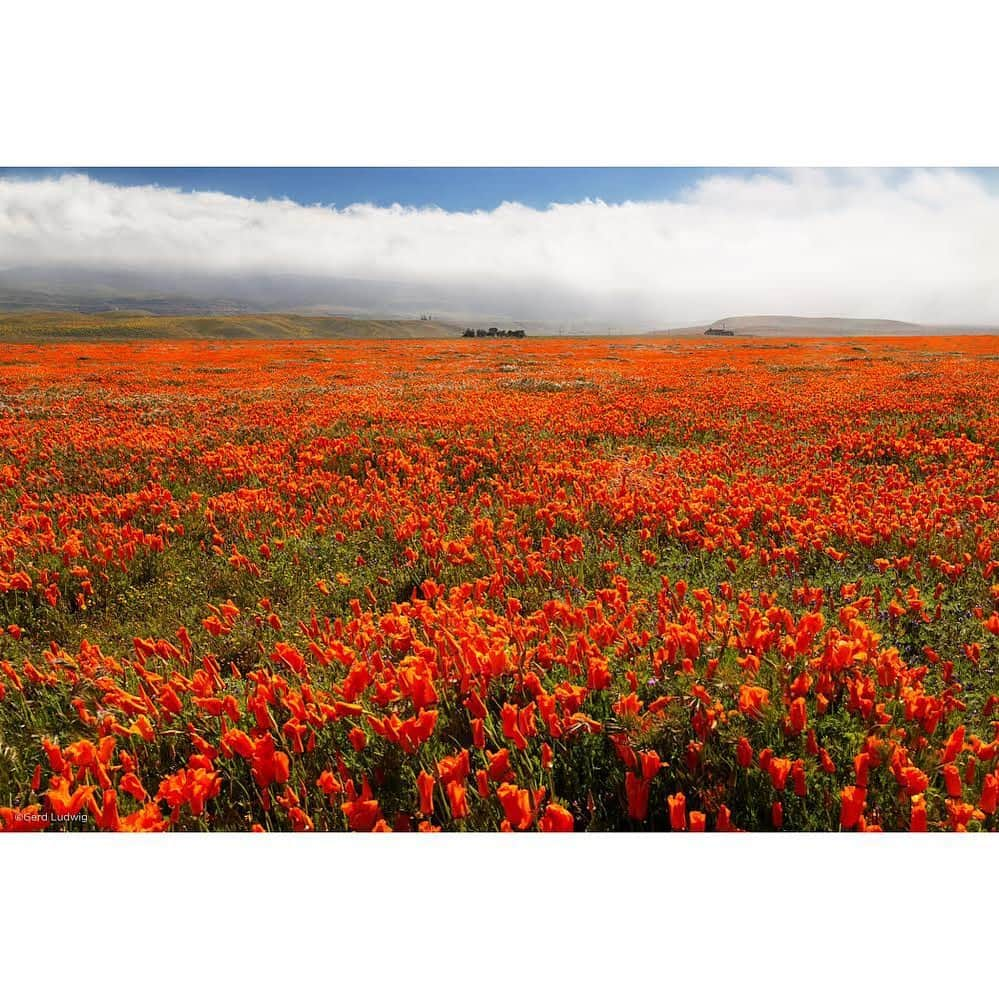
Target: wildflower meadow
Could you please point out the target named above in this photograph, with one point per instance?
(606, 584)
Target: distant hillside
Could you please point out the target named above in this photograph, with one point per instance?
(49, 326)
(820, 326)
(805, 326)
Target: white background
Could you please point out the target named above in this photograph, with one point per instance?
(434, 83)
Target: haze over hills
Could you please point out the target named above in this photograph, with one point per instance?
(192, 293)
(282, 305)
(76, 289)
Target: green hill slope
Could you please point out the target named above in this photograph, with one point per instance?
(49, 326)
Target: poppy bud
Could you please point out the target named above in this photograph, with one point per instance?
(952, 779)
(425, 785)
(677, 811)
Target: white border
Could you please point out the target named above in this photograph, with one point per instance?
(521, 915)
(526, 82)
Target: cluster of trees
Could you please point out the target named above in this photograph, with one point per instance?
(493, 331)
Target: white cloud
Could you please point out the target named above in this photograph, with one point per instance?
(920, 245)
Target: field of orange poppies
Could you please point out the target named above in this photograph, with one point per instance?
(606, 584)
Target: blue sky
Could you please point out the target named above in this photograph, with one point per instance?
(451, 188)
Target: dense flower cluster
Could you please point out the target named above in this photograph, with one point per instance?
(541, 585)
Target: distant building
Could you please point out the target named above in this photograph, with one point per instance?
(719, 331)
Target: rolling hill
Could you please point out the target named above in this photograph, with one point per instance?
(812, 326)
(54, 326)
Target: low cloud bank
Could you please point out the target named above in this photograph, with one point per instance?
(919, 245)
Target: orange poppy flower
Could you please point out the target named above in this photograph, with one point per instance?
(637, 792)
(556, 819)
(457, 794)
(852, 801)
(516, 803)
(677, 811)
(425, 785)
